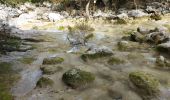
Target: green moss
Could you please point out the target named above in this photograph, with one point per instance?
(54, 60)
(13, 43)
(61, 28)
(27, 60)
(85, 57)
(35, 27)
(77, 78)
(121, 21)
(7, 78)
(50, 69)
(145, 82)
(5, 92)
(5, 68)
(128, 32)
(44, 82)
(135, 56)
(89, 36)
(156, 17)
(114, 60)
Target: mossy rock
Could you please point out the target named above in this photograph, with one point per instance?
(138, 37)
(7, 78)
(129, 46)
(93, 56)
(10, 44)
(77, 78)
(121, 21)
(146, 83)
(89, 36)
(44, 82)
(53, 60)
(50, 69)
(5, 95)
(27, 60)
(115, 61)
(156, 17)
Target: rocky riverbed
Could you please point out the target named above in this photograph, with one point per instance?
(69, 58)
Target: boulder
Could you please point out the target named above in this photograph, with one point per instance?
(122, 16)
(138, 37)
(137, 13)
(164, 47)
(156, 36)
(44, 82)
(77, 78)
(156, 16)
(97, 52)
(146, 83)
(53, 17)
(143, 30)
(47, 4)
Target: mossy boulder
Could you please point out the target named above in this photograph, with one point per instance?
(44, 82)
(98, 52)
(156, 16)
(115, 61)
(138, 37)
(77, 78)
(53, 60)
(50, 69)
(85, 57)
(129, 46)
(146, 83)
(7, 78)
(121, 21)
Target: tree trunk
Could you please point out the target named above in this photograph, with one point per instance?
(134, 1)
(87, 10)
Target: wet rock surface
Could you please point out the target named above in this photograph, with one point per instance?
(101, 59)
